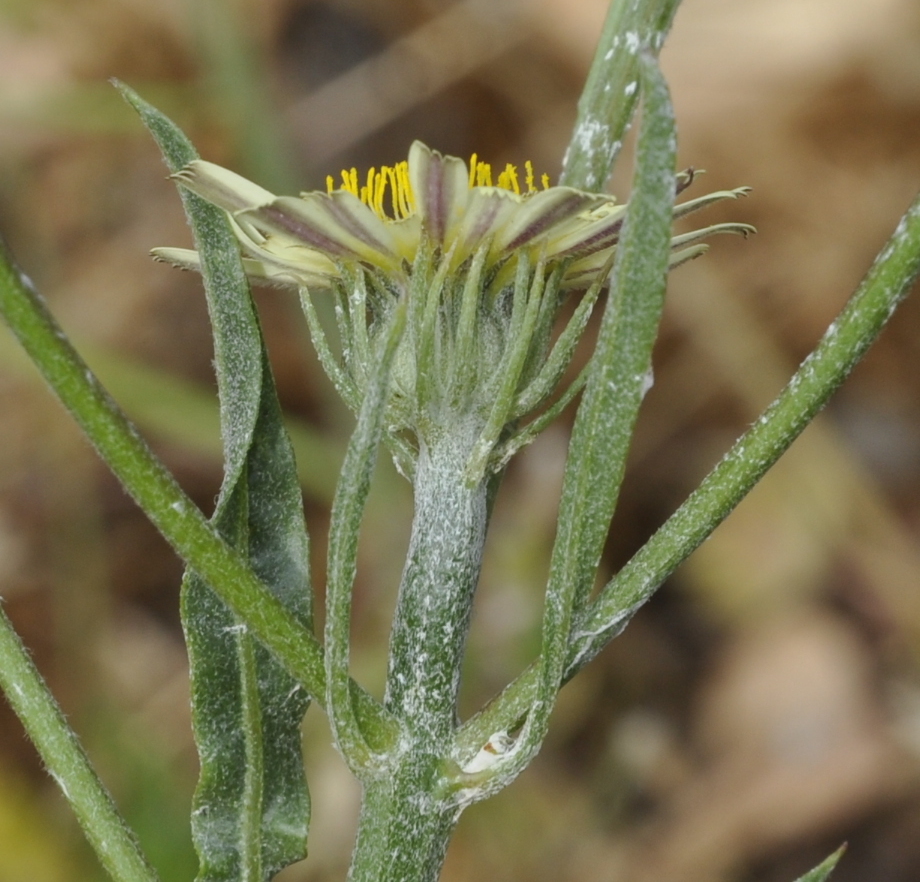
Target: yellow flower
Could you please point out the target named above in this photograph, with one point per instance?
(381, 222)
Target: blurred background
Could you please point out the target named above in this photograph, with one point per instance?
(765, 706)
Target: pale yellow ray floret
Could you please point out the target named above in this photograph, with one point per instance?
(440, 201)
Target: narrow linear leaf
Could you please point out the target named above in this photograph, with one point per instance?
(280, 554)
(155, 490)
(613, 392)
(823, 871)
(607, 102)
(886, 284)
(616, 378)
(345, 523)
(237, 339)
(113, 840)
(211, 635)
(846, 340)
(251, 807)
(621, 362)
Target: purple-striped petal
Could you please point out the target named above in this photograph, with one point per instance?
(488, 211)
(440, 185)
(307, 240)
(541, 213)
(338, 224)
(595, 232)
(289, 256)
(265, 272)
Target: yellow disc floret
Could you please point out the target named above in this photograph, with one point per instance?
(388, 181)
(481, 176)
(391, 184)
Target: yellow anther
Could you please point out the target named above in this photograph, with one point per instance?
(380, 190)
(508, 179)
(350, 180)
(406, 198)
(395, 179)
(394, 188)
(380, 187)
(367, 191)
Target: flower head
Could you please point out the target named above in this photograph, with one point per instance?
(487, 262)
(380, 221)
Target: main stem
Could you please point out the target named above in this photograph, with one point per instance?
(406, 816)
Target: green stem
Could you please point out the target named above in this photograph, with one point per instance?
(407, 815)
(436, 595)
(107, 832)
(609, 97)
(157, 493)
(405, 827)
(887, 283)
